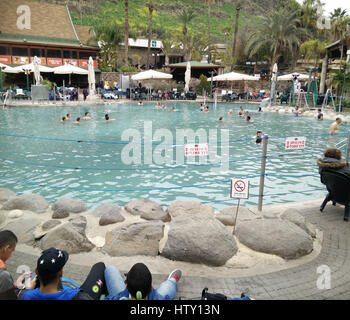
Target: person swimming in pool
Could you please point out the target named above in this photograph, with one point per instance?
(68, 116)
(221, 119)
(108, 119)
(230, 112)
(140, 103)
(77, 121)
(258, 137)
(87, 116)
(249, 120)
(63, 119)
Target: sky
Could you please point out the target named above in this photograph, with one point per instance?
(330, 5)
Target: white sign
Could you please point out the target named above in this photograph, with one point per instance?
(200, 149)
(294, 143)
(239, 188)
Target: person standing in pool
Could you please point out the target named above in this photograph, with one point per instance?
(87, 116)
(335, 126)
(68, 116)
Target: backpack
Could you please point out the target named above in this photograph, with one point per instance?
(212, 296)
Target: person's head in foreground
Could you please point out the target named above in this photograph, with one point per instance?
(8, 242)
(333, 153)
(139, 281)
(49, 268)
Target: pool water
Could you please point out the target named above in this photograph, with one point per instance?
(98, 162)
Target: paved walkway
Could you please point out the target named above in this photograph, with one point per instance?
(293, 283)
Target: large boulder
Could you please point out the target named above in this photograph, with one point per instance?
(6, 194)
(64, 206)
(199, 239)
(109, 213)
(227, 216)
(275, 236)
(178, 208)
(28, 201)
(135, 239)
(50, 224)
(2, 218)
(147, 209)
(295, 216)
(23, 229)
(66, 237)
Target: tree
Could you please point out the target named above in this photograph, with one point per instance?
(150, 8)
(126, 30)
(239, 5)
(185, 16)
(341, 80)
(109, 35)
(209, 3)
(279, 30)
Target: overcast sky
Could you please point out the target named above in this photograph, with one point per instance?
(330, 5)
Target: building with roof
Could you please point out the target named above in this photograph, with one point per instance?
(197, 68)
(29, 28)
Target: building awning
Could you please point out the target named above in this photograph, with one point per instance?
(334, 44)
(194, 64)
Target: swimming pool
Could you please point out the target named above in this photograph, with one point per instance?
(99, 162)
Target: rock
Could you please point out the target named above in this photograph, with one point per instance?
(109, 212)
(147, 209)
(178, 208)
(28, 201)
(227, 216)
(6, 194)
(135, 239)
(50, 224)
(66, 237)
(271, 215)
(199, 239)
(2, 218)
(79, 224)
(296, 217)
(64, 206)
(275, 236)
(23, 229)
(13, 214)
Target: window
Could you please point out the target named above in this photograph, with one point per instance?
(22, 52)
(4, 51)
(54, 54)
(83, 55)
(70, 54)
(37, 52)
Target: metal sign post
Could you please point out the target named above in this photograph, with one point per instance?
(347, 151)
(262, 174)
(239, 190)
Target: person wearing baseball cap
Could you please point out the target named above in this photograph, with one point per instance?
(49, 271)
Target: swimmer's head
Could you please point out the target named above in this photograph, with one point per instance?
(63, 118)
(86, 114)
(68, 115)
(78, 119)
(248, 118)
(106, 116)
(258, 140)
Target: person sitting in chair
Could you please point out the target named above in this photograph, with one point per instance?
(332, 163)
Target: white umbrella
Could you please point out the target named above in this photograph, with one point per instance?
(69, 69)
(151, 74)
(30, 67)
(233, 76)
(187, 77)
(289, 77)
(91, 77)
(7, 69)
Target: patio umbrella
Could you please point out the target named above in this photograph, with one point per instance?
(188, 77)
(30, 67)
(69, 69)
(7, 69)
(233, 76)
(91, 77)
(151, 74)
(289, 77)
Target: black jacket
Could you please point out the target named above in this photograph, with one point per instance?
(331, 164)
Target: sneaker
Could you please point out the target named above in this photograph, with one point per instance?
(176, 274)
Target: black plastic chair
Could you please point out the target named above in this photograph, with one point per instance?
(338, 186)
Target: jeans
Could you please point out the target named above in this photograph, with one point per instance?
(115, 285)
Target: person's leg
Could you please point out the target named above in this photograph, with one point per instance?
(168, 288)
(95, 283)
(114, 281)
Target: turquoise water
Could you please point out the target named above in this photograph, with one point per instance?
(41, 155)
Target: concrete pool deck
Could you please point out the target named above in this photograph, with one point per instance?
(294, 283)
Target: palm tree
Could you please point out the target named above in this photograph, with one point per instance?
(280, 31)
(185, 16)
(209, 3)
(338, 13)
(150, 8)
(126, 30)
(239, 5)
(109, 35)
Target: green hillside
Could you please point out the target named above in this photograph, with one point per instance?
(164, 16)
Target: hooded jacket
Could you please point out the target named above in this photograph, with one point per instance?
(335, 165)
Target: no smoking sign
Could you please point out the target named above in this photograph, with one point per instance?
(239, 188)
